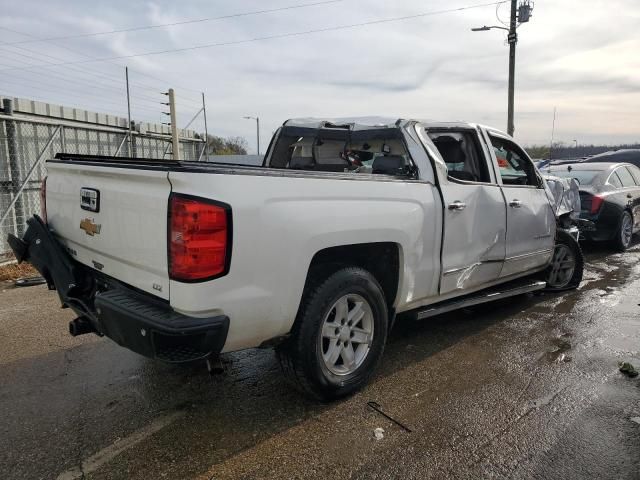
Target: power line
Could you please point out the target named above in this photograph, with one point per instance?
(102, 74)
(277, 36)
(119, 87)
(172, 24)
(41, 86)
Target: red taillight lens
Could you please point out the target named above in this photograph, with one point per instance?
(199, 238)
(596, 203)
(43, 200)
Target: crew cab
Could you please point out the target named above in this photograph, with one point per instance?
(348, 223)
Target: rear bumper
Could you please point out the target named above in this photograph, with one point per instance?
(155, 330)
(135, 320)
(600, 228)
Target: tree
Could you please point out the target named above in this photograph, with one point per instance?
(226, 146)
(561, 150)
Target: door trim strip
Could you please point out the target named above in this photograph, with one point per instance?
(530, 254)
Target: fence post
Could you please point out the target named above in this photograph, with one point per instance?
(63, 141)
(132, 140)
(15, 167)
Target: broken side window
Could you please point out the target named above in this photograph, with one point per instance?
(460, 151)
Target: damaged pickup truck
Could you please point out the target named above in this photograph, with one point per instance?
(345, 225)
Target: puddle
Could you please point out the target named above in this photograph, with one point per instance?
(559, 354)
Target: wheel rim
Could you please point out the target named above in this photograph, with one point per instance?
(626, 230)
(563, 265)
(347, 333)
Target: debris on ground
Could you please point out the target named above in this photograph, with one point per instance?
(628, 369)
(376, 406)
(379, 433)
(635, 419)
(13, 271)
(29, 281)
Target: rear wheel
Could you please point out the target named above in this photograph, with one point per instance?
(339, 335)
(567, 264)
(622, 239)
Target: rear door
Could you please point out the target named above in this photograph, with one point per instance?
(473, 249)
(112, 219)
(629, 176)
(530, 219)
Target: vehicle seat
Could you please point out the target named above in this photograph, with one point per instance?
(452, 153)
(301, 163)
(388, 165)
(450, 149)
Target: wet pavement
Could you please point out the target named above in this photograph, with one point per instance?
(525, 388)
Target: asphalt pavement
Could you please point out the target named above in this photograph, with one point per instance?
(527, 388)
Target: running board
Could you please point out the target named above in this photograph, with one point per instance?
(495, 293)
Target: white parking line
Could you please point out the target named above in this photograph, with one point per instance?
(105, 455)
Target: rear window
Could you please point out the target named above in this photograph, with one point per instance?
(584, 177)
(375, 151)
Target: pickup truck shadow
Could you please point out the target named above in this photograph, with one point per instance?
(88, 397)
(599, 250)
(67, 405)
(91, 395)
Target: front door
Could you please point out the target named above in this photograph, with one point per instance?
(531, 222)
(473, 248)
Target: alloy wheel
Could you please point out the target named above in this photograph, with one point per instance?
(347, 333)
(563, 265)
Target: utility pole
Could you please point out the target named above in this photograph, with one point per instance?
(519, 14)
(257, 119)
(175, 142)
(206, 132)
(553, 134)
(512, 38)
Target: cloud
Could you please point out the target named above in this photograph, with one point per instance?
(581, 60)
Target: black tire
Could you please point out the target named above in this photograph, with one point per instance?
(619, 242)
(566, 240)
(301, 356)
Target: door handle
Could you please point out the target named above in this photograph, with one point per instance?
(515, 203)
(457, 205)
(629, 195)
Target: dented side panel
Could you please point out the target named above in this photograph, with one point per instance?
(474, 244)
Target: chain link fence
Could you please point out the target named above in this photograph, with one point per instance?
(25, 145)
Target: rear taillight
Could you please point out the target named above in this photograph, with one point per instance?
(199, 238)
(596, 203)
(43, 200)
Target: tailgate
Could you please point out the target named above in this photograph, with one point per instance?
(126, 238)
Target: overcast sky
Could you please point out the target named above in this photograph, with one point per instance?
(580, 56)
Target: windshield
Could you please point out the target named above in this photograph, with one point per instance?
(584, 177)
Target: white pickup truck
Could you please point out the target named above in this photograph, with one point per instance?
(345, 225)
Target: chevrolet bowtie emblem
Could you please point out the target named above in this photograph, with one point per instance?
(89, 227)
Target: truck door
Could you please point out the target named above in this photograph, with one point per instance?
(473, 249)
(531, 222)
